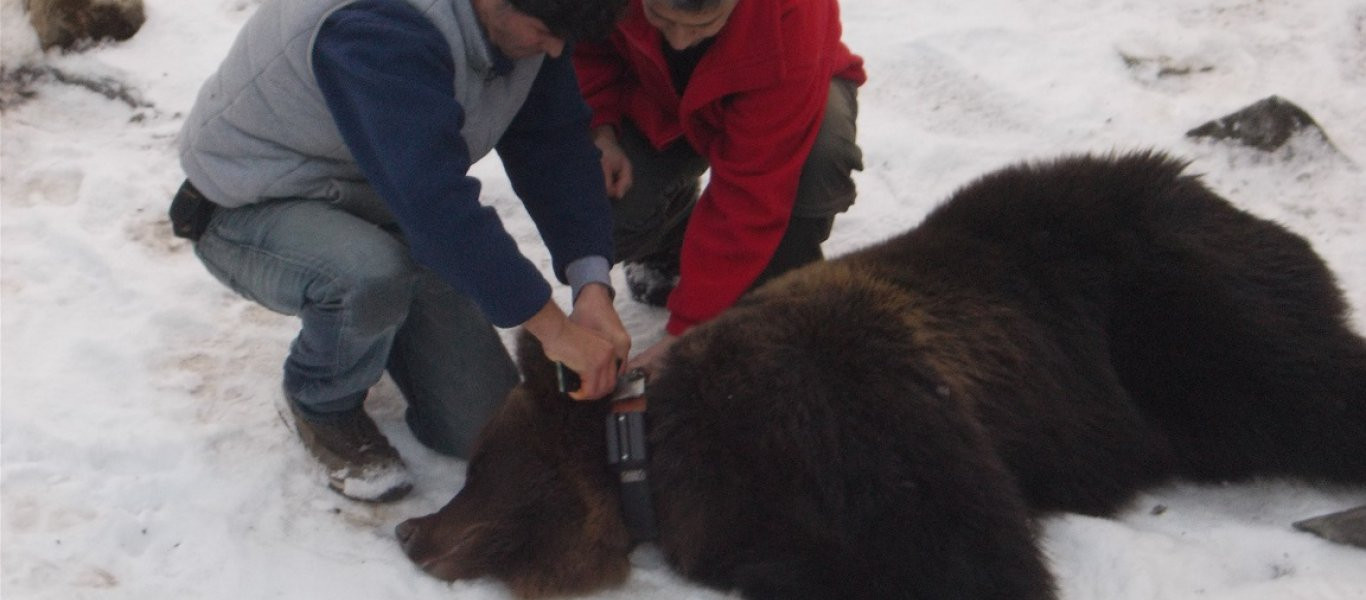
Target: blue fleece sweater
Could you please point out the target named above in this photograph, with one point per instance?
(387, 77)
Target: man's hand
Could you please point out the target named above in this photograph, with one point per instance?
(616, 168)
(593, 309)
(652, 359)
(581, 349)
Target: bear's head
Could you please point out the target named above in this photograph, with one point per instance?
(539, 509)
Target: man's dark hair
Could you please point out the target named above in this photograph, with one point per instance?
(574, 19)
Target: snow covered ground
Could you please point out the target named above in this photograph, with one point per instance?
(143, 456)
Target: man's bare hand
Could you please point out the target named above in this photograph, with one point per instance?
(581, 349)
(652, 359)
(616, 168)
(593, 309)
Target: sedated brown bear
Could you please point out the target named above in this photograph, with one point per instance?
(887, 424)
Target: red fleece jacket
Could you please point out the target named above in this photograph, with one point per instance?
(752, 109)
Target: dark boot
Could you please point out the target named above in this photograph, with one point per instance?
(360, 462)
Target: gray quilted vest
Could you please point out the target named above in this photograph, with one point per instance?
(260, 128)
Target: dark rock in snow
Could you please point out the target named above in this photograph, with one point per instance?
(1266, 125)
(69, 23)
(1346, 527)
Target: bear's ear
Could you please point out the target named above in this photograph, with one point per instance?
(538, 373)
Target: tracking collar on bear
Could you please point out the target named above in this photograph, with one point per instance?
(627, 455)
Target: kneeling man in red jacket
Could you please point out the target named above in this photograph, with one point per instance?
(762, 92)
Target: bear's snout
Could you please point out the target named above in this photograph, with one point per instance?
(444, 545)
(423, 543)
(405, 532)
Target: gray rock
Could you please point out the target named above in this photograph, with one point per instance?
(1265, 125)
(1346, 527)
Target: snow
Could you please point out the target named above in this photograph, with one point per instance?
(142, 451)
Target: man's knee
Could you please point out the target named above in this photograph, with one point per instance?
(646, 227)
(450, 425)
(376, 292)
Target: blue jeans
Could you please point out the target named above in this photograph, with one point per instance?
(365, 307)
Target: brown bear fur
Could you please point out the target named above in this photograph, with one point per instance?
(887, 424)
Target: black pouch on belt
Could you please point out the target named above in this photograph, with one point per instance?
(190, 212)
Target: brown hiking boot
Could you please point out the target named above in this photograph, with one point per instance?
(360, 463)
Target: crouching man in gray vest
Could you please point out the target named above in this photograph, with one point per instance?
(327, 164)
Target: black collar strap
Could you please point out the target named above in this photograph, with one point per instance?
(626, 455)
